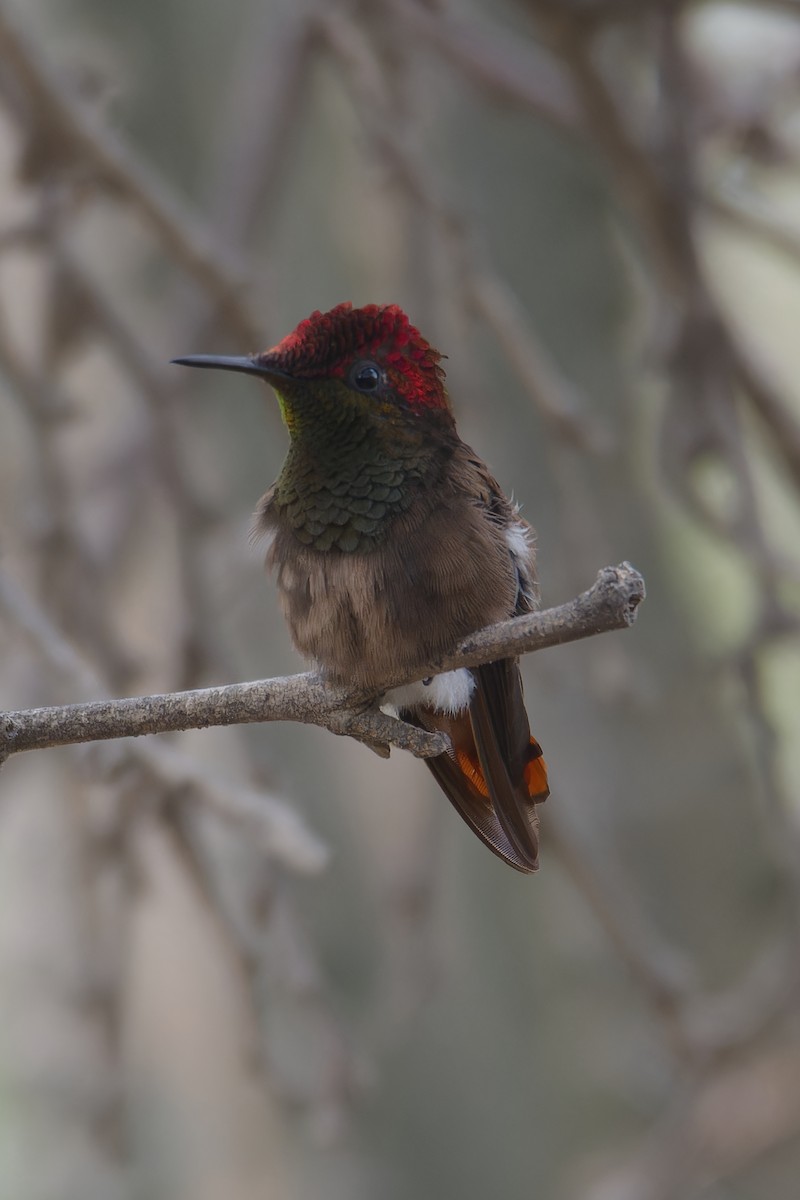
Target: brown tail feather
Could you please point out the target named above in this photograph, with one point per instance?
(496, 774)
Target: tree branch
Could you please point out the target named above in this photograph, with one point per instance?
(611, 603)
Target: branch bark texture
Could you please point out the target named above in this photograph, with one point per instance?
(611, 603)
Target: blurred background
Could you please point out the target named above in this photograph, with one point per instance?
(260, 962)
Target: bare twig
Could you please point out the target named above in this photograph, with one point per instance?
(656, 155)
(275, 828)
(611, 603)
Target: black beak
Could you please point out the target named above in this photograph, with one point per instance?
(225, 362)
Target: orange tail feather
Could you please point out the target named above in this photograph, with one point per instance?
(535, 773)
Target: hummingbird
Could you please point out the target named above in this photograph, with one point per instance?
(391, 541)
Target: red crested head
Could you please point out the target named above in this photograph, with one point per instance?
(346, 342)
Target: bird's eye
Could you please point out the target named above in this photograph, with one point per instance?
(366, 376)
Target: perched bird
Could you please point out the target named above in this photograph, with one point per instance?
(391, 541)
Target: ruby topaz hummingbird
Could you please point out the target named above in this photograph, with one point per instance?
(391, 541)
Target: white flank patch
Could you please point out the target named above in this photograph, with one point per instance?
(518, 542)
(449, 693)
